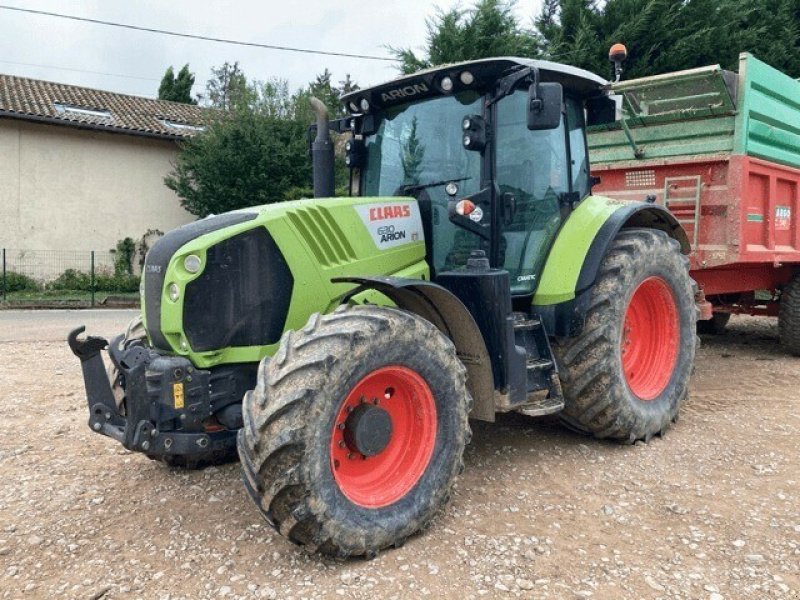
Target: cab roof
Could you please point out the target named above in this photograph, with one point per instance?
(484, 72)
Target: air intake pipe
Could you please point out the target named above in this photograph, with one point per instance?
(322, 152)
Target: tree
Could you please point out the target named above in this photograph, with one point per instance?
(663, 35)
(490, 28)
(243, 159)
(177, 89)
(412, 155)
(256, 152)
(347, 85)
(228, 88)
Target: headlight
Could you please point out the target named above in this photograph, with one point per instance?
(192, 263)
(447, 84)
(365, 105)
(467, 78)
(174, 292)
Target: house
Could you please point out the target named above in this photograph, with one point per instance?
(81, 168)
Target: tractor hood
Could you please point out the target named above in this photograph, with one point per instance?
(480, 75)
(224, 288)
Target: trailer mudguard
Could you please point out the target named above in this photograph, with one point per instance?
(569, 274)
(441, 307)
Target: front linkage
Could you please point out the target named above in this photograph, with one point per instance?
(170, 410)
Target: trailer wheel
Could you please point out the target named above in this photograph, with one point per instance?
(626, 375)
(789, 316)
(356, 430)
(715, 325)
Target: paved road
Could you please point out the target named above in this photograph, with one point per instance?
(54, 325)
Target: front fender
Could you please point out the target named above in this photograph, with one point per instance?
(581, 245)
(434, 303)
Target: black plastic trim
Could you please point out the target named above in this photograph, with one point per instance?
(157, 261)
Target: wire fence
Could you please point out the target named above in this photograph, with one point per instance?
(42, 278)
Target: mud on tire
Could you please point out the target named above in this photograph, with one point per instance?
(599, 399)
(789, 316)
(289, 419)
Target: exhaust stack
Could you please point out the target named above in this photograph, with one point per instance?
(322, 152)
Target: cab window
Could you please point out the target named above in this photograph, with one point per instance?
(532, 172)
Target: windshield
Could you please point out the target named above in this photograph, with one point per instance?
(420, 144)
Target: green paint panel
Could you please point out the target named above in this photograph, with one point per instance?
(664, 140)
(563, 266)
(690, 113)
(768, 123)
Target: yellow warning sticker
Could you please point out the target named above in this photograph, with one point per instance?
(177, 394)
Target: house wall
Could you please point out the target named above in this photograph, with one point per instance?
(63, 188)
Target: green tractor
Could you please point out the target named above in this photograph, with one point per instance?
(342, 344)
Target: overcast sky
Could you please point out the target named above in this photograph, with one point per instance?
(55, 49)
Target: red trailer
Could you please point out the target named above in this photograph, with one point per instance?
(721, 151)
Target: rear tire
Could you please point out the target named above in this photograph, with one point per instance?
(789, 316)
(715, 325)
(626, 375)
(301, 468)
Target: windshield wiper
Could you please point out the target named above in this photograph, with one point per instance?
(424, 186)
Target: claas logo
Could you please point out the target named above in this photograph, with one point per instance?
(392, 211)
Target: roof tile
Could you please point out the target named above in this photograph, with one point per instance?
(22, 98)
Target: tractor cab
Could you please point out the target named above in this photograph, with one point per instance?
(493, 150)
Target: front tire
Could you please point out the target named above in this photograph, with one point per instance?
(318, 473)
(627, 374)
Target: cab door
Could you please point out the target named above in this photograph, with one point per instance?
(535, 173)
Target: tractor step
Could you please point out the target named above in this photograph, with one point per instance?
(527, 324)
(536, 364)
(541, 406)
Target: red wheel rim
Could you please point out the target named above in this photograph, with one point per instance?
(383, 479)
(650, 339)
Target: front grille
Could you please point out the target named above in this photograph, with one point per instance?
(242, 296)
(157, 261)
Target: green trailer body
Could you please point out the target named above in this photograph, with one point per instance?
(705, 112)
(721, 151)
(768, 118)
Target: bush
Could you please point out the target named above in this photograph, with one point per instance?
(245, 159)
(74, 280)
(123, 256)
(71, 279)
(17, 282)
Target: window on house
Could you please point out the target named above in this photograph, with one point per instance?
(182, 126)
(71, 109)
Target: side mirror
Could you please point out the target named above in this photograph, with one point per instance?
(545, 105)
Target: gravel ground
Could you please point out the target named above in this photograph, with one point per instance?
(711, 511)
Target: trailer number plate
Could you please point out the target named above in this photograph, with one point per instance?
(177, 394)
(783, 217)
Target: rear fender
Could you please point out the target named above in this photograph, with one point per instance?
(439, 306)
(570, 272)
